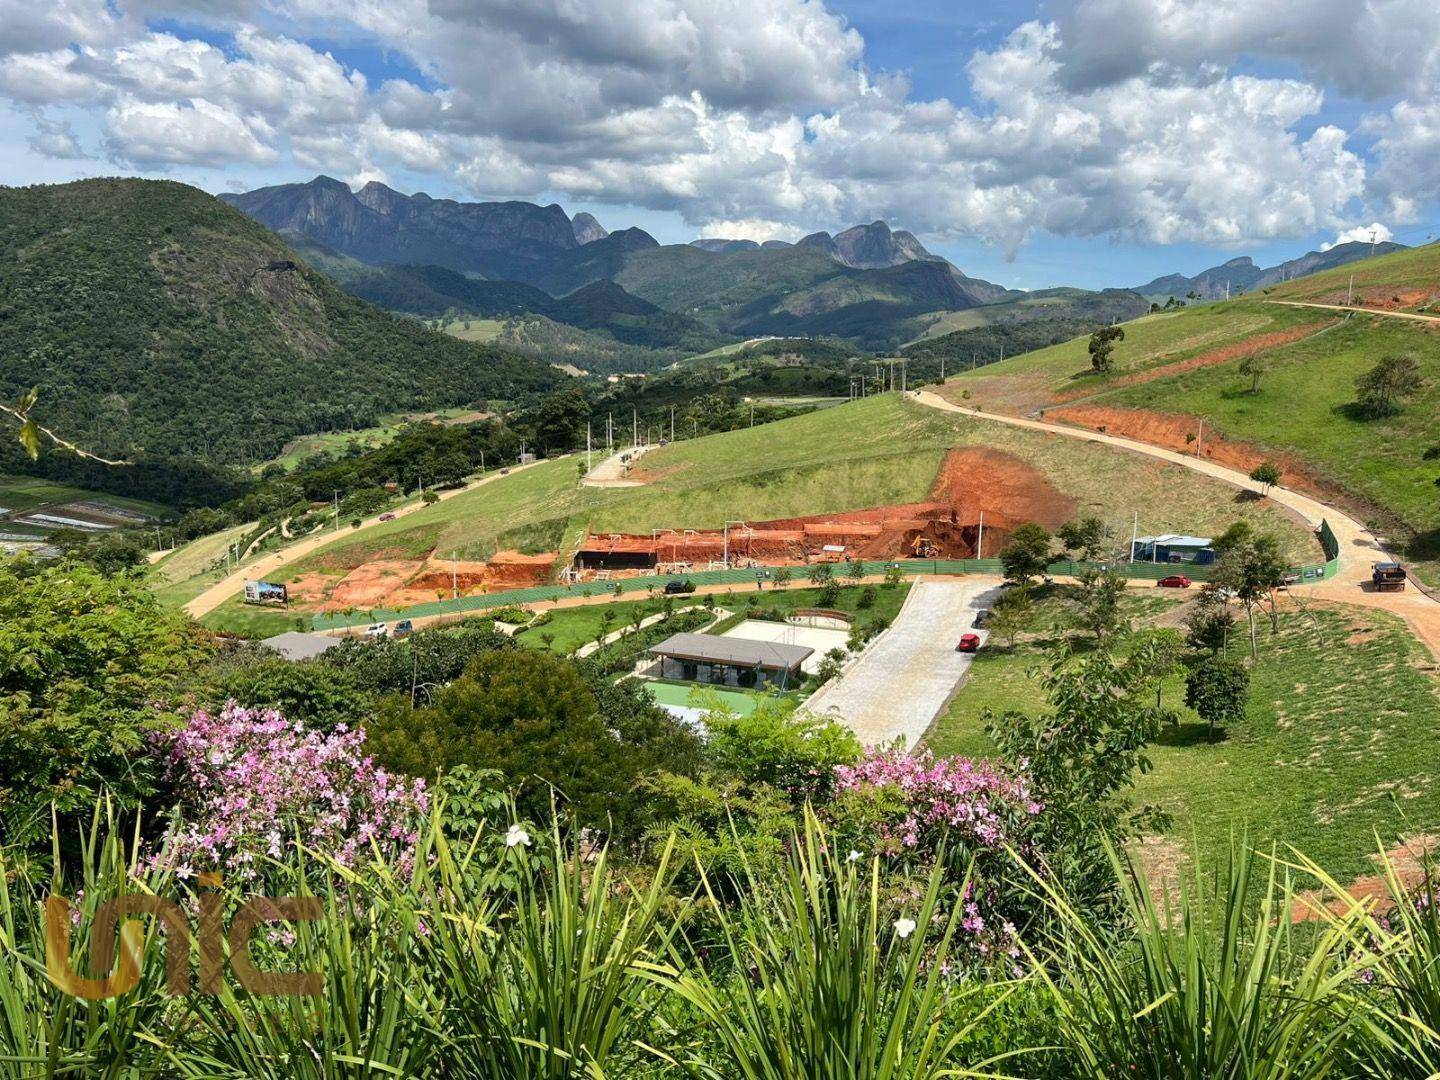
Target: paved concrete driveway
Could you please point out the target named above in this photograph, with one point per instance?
(909, 673)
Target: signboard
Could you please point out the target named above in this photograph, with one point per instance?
(265, 592)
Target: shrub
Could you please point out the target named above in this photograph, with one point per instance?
(250, 782)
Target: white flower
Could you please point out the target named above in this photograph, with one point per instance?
(904, 927)
(517, 835)
(854, 856)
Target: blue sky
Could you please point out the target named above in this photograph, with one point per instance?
(1081, 142)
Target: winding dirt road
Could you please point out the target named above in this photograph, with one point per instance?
(227, 587)
(1362, 310)
(1359, 547)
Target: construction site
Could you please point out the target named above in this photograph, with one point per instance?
(979, 496)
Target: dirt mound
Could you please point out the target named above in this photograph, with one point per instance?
(370, 585)
(1237, 350)
(971, 481)
(1009, 491)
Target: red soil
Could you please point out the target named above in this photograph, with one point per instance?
(1178, 431)
(971, 481)
(370, 585)
(1237, 350)
(1407, 859)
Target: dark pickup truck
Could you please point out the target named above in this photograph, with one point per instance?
(1387, 576)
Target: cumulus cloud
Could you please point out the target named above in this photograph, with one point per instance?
(1375, 233)
(1128, 119)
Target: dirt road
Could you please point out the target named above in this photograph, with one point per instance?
(1364, 310)
(1359, 547)
(227, 587)
(610, 473)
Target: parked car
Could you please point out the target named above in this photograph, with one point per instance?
(677, 588)
(968, 643)
(982, 619)
(504, 472)
(1174, 581)
(377, 630)
(403, 628)
(387, 517)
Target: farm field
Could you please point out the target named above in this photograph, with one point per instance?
(878, 452)
(1338, 735)
(474, 329)
(32, 507)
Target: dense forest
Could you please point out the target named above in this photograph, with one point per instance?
(158, 321)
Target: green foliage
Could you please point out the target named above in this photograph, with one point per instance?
(1384, 389)
(1250, 568)
(1086, 538)
(229, 325)
(1026, 555)
(1102, 346)
(1083, 756)
(1012, 614)
(547, 729)
(1098, 602)
(1267, 473)
(1218, 690)
(88, 667)
(1216, 986)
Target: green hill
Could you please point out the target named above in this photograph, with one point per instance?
(154, 317)
(1174, 369)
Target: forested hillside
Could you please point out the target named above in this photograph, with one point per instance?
(157, 320)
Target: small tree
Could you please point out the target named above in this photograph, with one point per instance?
(1209, 624)
(1098, 597)
(1102, 346)
(1089, 538)
(1013, 614)
(1218, 689)
(854, 570)
(893, 576)
(1267, 474)
(1254, 368)
(1251, 569)
(1382, 390)
(867, 598)
(821, 574)
(783, 577)
(1027, 555)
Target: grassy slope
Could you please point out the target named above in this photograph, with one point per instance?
(869, 453)
(1301, 408)
(1340, 721)
(189, 570)
(1384, 279)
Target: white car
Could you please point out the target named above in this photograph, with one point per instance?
(378, 630)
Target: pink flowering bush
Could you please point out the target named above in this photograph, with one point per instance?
(905, 807)
(251, 784)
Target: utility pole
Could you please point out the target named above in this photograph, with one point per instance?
(1372, 243)
(942, 369)
(1134, 535)
(672, 423)
(337, 509)
(634, 426)
(1350, 296)
(454, 579)
(588, 464)
(1200, 440)
(609, 433)
(980, 539)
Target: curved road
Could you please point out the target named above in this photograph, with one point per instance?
(1362, 310)
(227, 587)
(1359, 547)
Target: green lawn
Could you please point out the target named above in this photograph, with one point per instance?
(191, 569)
(1338, 743)
(253, 621)
(474, 329)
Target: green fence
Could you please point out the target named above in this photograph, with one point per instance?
(629, 586)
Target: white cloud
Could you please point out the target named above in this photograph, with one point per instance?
(750, 229)
(1375, 232)
(1122, 118)
(197, 131)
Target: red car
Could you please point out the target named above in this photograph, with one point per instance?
(968, 643)
(1174, 581)
(387, 517)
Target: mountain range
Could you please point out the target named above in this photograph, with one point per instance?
(867, 283)
(1243, 275)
